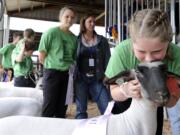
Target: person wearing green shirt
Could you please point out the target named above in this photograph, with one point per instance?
(150, 40)
(22, 62)
(57, 53)
(6, 52)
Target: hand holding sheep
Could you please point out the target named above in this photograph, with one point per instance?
(131, 89)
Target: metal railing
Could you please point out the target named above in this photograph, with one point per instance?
(118, 13)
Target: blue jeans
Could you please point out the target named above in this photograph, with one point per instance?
(174, 116)
(98, 92)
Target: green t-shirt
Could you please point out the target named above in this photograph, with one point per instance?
(123, 59)
(60, 49)
(6, 52)
(21, 68)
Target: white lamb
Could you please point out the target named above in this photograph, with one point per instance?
(20, 101)
(139, 119)
(10, 106)
(127, 123)
(6, 84)
(22, 92)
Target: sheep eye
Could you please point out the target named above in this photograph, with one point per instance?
(163, 67)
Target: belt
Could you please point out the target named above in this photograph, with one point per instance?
(28, 76)
(89, 74)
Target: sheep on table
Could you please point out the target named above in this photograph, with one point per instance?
(139, 119)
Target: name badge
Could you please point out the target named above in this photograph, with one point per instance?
(91, 62)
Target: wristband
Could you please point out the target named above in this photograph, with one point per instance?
(123, 91)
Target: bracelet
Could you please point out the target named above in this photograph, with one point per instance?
(123, 91)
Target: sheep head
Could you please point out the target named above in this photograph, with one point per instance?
(152, 76)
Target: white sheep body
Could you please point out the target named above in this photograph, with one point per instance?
(36, 126)
(139, 119)
(22, 92)
(10, 106)
(6, 85)
(20, 101)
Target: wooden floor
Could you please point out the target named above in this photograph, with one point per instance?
(93, 111)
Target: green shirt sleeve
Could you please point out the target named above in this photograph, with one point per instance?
(45, 42)
(174, 61)
(115, 64)
(6, 52)
(121, 59)
(4, 49)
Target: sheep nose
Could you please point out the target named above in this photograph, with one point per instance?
(164, 96)
(159, 93)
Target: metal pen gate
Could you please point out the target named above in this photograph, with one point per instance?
(118, 13)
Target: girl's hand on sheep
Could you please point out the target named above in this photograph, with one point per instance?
(131, 89)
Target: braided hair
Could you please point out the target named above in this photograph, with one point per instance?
(151, 23)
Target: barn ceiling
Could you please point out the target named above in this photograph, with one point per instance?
(49, 9)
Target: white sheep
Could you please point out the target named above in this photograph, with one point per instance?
(139, 119)
(10, 106)
(22, 92)
(20, 100)
(127, 123)
(6, 84)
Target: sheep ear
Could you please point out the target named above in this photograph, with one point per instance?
(173, 84)
(121, 77)
(174, 77)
